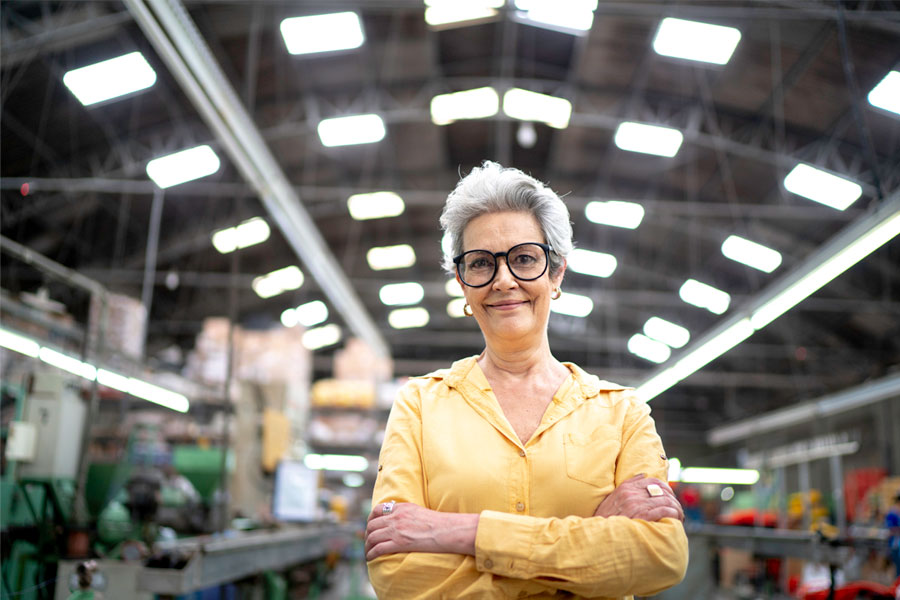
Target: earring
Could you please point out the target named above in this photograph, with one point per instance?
(467, 310)
(556, 294)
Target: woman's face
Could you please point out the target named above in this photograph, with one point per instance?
(508, 308)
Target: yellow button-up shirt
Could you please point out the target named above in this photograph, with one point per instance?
(449, 447)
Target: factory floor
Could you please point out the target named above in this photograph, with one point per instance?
(350, 582)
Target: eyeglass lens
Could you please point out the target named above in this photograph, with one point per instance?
(525, 261)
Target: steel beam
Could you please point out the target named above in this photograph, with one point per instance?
(182, 48)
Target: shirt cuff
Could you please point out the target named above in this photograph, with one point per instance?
(503, 543)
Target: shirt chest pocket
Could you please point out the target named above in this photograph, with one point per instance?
(592, 458)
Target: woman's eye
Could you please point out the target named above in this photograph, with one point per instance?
(479, 263)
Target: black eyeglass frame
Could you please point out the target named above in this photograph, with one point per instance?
(547, 248)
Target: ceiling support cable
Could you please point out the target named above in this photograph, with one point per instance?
(181, 47)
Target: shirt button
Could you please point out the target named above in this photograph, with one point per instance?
(488, 563)
(520, 507)
(521, 453)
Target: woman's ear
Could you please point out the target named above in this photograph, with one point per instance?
(558, 278)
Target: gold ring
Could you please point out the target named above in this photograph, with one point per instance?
(654, 490)
(387, 508)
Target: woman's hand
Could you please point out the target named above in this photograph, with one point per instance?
(632, 499)
(411, 528)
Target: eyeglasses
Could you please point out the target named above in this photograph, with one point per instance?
(526, 262)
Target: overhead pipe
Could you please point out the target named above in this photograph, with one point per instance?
(180, 45)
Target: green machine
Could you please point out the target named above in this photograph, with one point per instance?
(37, 490)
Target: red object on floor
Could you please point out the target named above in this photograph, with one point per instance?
(852, 590)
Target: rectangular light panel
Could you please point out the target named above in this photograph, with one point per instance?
(822, 187)
(720, 476)
(697, 41)
(249, 233)
(183, 166)
(648, 349)
(615, 213)
(401, 294)
(407, 318)
(327, 335)
(322, 33)
(468, 104)
(886, 95)
(705, 296)
(277, 282)
(375, 205)
(455, 308)
(541, 108)
(648, 139)
(447, 12)
(348, 131)
(577, 15)
(335, 462)
(382, 258)
(110, 79)
(666, 332)
(67, 363)
(751, 254)
(574, 305)
(588, 262)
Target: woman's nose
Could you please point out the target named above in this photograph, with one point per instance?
(504, 278)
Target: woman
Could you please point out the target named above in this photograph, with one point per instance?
(511, 474)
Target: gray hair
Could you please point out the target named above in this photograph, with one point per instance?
(492, 188)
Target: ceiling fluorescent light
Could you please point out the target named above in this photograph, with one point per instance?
(18, 343)
(648, 139)
(110, 79)
(158, 395)
(335, 462)
(588, 262)
(824, 273)
(289, 317)
(447, 15)
(705, 296)
(469, 104)
(693, 40)
(406, 318)
(312, 313)
(67, 363)
(401, 294)
(886, 94)
(355, 129)
(446, 12)
(375, 205)
(249, 233)
(576, 15)
(453, 288)
(615, 213)
(183, 166)
(277, 282)
(720, 476)
(382, 258)
(322, 33)
(820, 186)
(574, 305)
(666, 332)
(751, 254)
(113, 380)
(711, 349)
(455, 308)
(327, 335)
(532, 106)
(648, 349)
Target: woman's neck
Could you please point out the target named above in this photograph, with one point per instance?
(518, 362)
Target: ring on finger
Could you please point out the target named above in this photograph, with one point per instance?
(387, 508)
(654, 490)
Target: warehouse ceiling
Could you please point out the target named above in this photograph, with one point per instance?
(794, 91)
